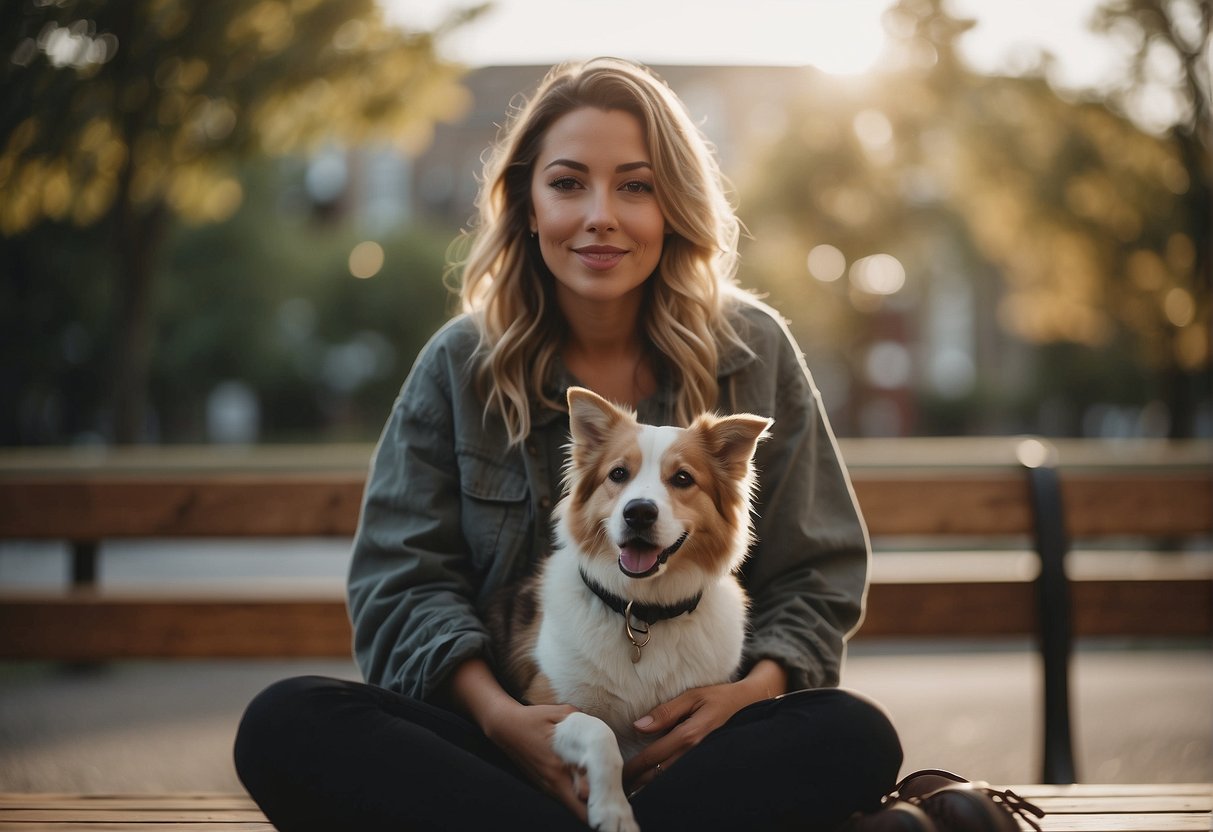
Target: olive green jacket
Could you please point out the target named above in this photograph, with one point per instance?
(452, 512)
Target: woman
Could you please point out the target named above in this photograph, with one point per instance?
(605, 257)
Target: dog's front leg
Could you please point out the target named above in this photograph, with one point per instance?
(588, 743)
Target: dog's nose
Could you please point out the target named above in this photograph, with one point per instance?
(640, 514)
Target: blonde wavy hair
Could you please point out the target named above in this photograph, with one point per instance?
(508, 290)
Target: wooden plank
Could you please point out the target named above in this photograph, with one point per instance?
(1100, 608)
(84, 625)
(1145, 608)
(992, 504)
(1032, 791)
(208, 812)
(1076, 805)
(1170, 503)
(1126, 822)
(211, 801)
(126, 813)
(942, 608)
(944, 503)
(99, 505)
(134, 826)
(1072, 808)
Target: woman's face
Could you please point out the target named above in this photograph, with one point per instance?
(593, 206)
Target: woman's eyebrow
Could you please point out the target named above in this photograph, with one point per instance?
(578, 166)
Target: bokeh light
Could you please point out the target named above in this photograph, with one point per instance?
(826, 263)
(888, 365)
(1032, 453)
(879, 274)
(1180, 307)
(366, 259)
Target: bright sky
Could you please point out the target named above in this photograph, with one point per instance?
(839, 36)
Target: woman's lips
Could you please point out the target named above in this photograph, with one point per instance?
(600, 258)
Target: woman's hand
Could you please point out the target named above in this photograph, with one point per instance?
(523, 732)
(695, 714)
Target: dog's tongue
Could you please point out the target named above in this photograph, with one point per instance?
(638, 558)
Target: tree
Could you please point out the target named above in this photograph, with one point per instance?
(1092, 225)
(1171, 63)
(128, 115)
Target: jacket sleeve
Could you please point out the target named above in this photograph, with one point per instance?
(807, 574)
(411, 583)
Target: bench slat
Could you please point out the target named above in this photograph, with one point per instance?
(127, 814)
(1126, 822)
(1035, 791)
(134, 826)
(210, 801)
(1125, 803)
(1100, 608)
(97, 506)
(1072, 808)
(88, 625)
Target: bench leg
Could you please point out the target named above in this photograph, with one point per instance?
(84, 563)
(1053, 594)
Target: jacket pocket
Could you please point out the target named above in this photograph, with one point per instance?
(494, 504)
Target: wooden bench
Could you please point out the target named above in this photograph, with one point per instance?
(1003, 497)
(1070, 808)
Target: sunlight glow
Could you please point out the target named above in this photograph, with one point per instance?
(836, 37)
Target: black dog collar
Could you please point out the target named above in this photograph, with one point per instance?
(648, 613)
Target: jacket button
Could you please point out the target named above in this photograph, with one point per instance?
(545, 503)
(532, 449)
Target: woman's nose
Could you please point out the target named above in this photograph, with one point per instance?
(600, 216)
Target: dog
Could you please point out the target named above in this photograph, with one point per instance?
(639, 600)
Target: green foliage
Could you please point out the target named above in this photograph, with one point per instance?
(264, 298)
(1072, 223)
(54, 293)
(272, 304)
(128, 116)
(149, 101)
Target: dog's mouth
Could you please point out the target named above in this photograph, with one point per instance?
(639, 558)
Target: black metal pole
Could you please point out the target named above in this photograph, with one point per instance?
(1053, 594)
(84, 563)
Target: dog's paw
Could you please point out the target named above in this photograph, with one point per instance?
(612, 816)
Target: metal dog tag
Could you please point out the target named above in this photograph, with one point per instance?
(637, 644)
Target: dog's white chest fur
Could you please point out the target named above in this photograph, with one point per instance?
(585, 653)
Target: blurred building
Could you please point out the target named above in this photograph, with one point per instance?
(732, 104)
(937, 345)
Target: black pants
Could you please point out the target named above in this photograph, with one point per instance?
(325, 754)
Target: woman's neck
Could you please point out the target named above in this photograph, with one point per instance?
(605, 350)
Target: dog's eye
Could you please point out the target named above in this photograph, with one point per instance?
(682, 480)
(619, 474)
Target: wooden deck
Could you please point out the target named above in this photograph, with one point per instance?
(1081, 808)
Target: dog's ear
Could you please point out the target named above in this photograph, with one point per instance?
(591, 417)
(733, 439)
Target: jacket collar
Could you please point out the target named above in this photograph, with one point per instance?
(658, 409)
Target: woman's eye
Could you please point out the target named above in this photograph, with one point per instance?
(564, 183)
(638, 187)
(682, 480)
(618, 474)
